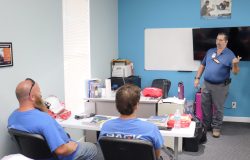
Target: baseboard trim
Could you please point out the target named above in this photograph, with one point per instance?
(236, 119)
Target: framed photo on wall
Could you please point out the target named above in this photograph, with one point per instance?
(216, 9)
(6, 54)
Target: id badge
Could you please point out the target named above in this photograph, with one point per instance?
(216, 60)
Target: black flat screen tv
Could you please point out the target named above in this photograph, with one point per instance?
(238, 41)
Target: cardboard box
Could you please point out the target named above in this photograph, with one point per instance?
(122, 70)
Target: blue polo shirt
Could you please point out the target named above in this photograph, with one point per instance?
(133, 129)
(217, 73)
(35, 121)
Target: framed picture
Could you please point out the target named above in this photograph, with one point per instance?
(216, 9)
(6, 54)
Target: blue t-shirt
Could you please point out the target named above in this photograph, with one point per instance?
(133, 129)
(217, 72)
(35, 121)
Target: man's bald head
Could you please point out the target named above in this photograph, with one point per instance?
(29, 96)
(23, 89)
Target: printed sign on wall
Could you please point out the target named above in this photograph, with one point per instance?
(6, 55)
(216, 9)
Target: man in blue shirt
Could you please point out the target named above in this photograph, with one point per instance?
(31, 117)
(128, 125)
(216, 66)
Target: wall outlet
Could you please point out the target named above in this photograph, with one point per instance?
(234, 105)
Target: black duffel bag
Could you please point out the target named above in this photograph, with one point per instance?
(200, 137)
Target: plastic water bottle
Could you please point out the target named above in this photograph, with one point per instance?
(177, 119)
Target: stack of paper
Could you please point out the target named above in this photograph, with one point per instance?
(159, 121)
(173, 100)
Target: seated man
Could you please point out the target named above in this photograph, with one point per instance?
(31, 116)
(127, 125)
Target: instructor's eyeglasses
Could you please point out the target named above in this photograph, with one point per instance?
(33, 83)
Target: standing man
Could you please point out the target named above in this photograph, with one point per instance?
(128, 125)
(217, 65)
(31, 117)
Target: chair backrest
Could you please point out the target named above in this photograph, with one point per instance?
(163, 84)
(31, 145)
(126, 149)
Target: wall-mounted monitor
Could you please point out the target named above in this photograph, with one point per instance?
(238, 41)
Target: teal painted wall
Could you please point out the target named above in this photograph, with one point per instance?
(136, 15)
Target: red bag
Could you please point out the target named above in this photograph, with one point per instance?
(152, 92)
(64, 114)
(56, 108)
(185, 120)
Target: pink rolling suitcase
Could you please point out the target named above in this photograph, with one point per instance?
(198, 108)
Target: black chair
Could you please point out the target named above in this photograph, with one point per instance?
(163, 84)
(126, 149)
(31, 145)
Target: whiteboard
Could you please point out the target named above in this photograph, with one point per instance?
(169, 49)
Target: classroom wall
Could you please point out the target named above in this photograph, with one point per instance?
(103, 36)
(35, 30)
(135, 16)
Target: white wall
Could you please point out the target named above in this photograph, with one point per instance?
(103, 36)
(35, 29)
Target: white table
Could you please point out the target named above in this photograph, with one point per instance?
(106, 106)
(170, 108)
(85, 125)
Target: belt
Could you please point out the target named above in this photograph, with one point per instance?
(226, 81)
(214, 82)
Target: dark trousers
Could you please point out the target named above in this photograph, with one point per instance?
(213, 97)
